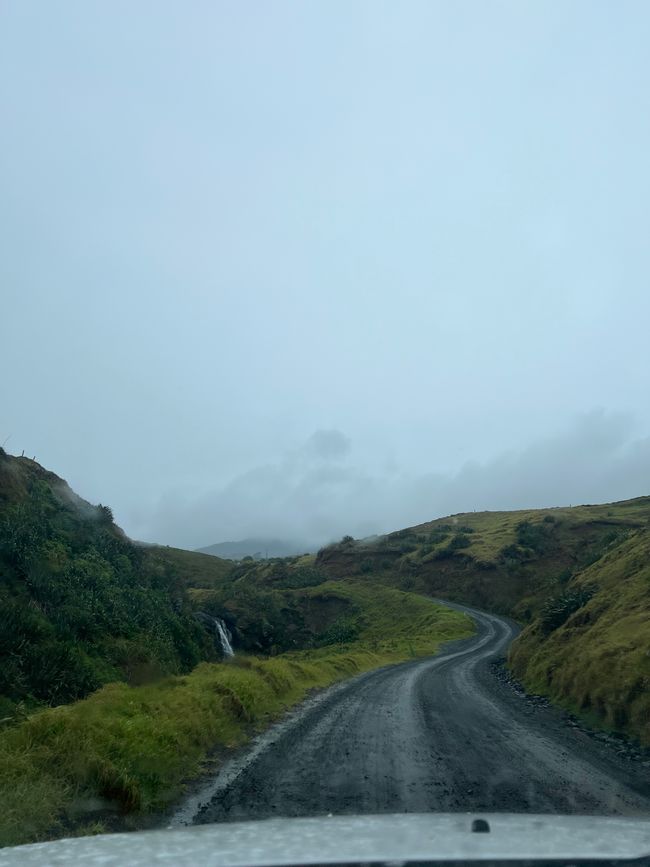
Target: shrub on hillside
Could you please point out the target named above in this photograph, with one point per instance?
(459, 541)
(445, 553)
(537, 537)
(304, 576)
(595, 551)
(342, 631)
(513, 555)
(558, 610)
(437, 536)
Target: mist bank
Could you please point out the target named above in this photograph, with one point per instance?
(327, 488)
(258, 549)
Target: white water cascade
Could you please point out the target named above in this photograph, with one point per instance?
(223, 633)
(224, 637)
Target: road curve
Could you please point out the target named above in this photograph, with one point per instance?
(438, 734)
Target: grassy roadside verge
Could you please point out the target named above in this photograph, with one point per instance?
(129, 748)
(589, 649)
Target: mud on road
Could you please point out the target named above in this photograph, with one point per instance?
(440, 734)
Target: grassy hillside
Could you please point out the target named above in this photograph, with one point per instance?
(504, 561)
(193, 568)
(579, 577)
(125, 751)
(589, 647)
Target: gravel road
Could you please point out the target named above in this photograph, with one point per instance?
(435, 734)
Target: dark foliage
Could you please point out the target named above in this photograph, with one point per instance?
(459, 541)
(536, 537)
(438, 536)
(342, 631)
(558, 610)
(80, 604)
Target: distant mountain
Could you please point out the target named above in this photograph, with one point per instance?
(259, 549)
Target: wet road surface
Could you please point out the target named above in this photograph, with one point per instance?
(438, 734)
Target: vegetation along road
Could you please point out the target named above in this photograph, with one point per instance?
(439, 734)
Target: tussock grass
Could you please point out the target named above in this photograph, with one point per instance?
(198, 570)
(130, 748)
(493, 531)
(508, 562)
(597, 663)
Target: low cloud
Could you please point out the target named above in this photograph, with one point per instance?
(327, 445)
(323, 490)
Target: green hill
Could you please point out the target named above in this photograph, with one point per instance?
(577, 578)
(589, 646)
(80, 604)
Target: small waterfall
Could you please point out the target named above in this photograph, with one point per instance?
(224, 637)
(222, 631)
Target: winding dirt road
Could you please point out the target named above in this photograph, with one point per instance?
(435, 734)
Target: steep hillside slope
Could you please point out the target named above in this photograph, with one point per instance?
(579, 577)
(589, 647)
(80, 604)
(508, 562)
(194, 569)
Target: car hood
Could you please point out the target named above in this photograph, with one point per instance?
(356, 839)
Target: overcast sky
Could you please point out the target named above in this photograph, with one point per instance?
(302, 269)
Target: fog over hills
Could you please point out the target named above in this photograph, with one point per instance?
(432, 253)
(328, 488)
(257, 548)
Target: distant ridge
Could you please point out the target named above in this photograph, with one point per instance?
(259, 549)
